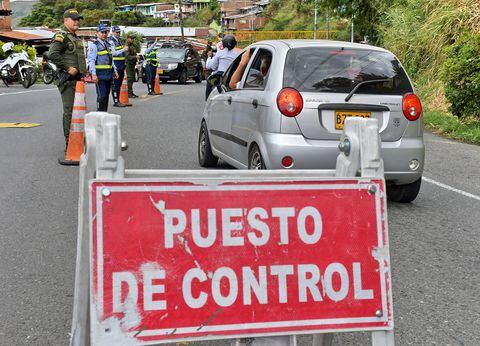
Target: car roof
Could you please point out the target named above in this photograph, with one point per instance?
(288, 44)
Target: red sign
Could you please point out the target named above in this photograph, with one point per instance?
(178, 261)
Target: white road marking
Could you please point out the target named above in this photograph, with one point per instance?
(450, 188)
(28, 91)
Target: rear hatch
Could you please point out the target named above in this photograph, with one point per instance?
(325, 76)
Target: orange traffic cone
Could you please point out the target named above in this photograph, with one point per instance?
(124, 92)
(75, 140)
(156, 88)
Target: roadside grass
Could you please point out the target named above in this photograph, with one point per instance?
(465, 130)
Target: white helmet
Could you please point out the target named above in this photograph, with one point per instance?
(7, 47)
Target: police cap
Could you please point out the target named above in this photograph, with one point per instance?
(116, 28)
(72, 13)
(102, 28)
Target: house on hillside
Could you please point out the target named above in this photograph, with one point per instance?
(199, 4)
(5, 15)
(243, 14)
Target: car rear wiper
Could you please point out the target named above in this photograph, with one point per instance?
(349, 96)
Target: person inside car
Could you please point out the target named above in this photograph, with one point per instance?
(254, 79)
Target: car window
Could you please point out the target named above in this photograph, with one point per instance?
(233, 66)
(257, 75)
(339, 70)
(169, 53)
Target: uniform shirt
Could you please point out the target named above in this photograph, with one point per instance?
(221, 60)
(152, 47)
(92, 56)
(66, 50)
(116, 42)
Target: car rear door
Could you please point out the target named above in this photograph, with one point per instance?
(326, 75)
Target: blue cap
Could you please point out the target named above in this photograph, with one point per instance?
(116, 28)
(102, 27)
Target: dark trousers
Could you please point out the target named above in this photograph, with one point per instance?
(151, 74)
(67, 91)
(103, 90)
(130, 77)
(209, 88)
(117, 84)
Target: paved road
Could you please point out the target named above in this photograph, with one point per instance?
(434, 241)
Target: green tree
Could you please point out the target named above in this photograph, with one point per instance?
(130, 18)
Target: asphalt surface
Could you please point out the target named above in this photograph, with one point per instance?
(434, 241)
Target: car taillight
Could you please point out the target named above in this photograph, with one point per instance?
(289, 102)
(411, 106)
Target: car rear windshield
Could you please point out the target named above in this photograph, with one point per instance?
(168, 53)
(339, 70)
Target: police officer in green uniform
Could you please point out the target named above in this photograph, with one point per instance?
(131, 59)
(66, 51)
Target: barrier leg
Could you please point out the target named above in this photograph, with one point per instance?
(288, 340)
(322, 339)
(383, 338)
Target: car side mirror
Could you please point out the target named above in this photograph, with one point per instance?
(215, 80)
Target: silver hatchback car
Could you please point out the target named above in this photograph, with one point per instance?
(291, 115)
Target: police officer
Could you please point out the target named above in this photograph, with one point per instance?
(101, 66)
(119, 52)
(222, 59)
(66, 51)
(151, 66)
(131, 60)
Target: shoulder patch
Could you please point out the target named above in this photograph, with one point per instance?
(59, 37)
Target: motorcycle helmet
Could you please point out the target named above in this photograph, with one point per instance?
(229, 42)
(7, 47)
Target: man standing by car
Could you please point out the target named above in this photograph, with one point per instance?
(131, 60)
(151, 67)
(119, 52)
(101, 67)
(66, 51)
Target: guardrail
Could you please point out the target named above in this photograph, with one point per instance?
(138, 228)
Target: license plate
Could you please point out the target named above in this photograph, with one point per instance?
(160, 71)
(340, 117)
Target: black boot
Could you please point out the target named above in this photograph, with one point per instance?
(116, 102)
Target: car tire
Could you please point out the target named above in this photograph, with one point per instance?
(255, 159)
(205, 155)
(183, 77)
(404, 193)
(198, 77)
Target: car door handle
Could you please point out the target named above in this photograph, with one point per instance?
(229, 100)
(255, 103)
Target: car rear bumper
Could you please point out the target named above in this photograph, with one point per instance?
(169, 75)
(321, 154)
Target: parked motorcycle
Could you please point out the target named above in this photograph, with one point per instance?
(49, 70)
(17, 67)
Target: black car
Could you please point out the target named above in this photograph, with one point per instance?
(179, 62)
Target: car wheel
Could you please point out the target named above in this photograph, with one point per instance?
(198, 77)
(205, 155)
(404, 193)
(255, 159)
(183, 77)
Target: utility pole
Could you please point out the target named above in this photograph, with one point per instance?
(181, 19)
(315, 23)
(352, 31)
(328, 24)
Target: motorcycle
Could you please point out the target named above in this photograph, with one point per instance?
(17, 67)
(49, 70)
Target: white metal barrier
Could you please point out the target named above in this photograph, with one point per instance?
(359, 157)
